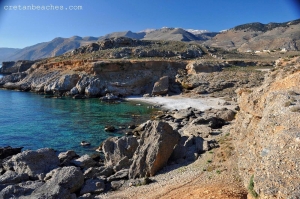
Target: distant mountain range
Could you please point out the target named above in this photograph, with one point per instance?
(246, 37)
(52, 48)
(258, 37)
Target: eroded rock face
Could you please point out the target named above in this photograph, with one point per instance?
(66, 82)
(268, 133)
(34, 163)
(150, 157)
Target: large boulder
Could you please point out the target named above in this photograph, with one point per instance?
(70, 178)
(156, 146)
(115, 149)
(94, 186)
(195, 129)
(21, 190)
(183, 113)
(161, 87)
(98, 171)
(12, 177)
(84, 161)
(34, 163)
(65, 158)
(50, 191)
(224, 113)
(122, 174)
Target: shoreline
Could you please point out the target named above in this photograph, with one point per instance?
(183, 102)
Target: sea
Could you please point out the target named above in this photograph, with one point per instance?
(32, 121)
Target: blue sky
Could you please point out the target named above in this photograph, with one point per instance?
(21, 28)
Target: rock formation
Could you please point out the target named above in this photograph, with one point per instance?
(267, 130)
(15, 67)
(149, 157)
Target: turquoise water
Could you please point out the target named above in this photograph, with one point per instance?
(32, 121)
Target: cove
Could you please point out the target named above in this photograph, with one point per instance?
(32, 121)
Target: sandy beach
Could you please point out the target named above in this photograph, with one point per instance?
(183, 102)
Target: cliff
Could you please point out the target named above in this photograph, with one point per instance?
(267, 131)
(15, 67)
(94, 78)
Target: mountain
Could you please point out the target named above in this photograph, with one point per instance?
(128, 34)
(52, 48)
(7, 52)
(258, 37)
(244, 38)
(165, 33)
(172, 34)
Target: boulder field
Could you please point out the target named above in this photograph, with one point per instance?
(127, 161)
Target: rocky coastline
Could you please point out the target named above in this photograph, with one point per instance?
(174, 137)
(258, 138)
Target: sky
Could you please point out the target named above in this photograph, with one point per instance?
(20, 28)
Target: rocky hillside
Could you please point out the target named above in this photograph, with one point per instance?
(259, 37)
(123, 47)
(267, 131)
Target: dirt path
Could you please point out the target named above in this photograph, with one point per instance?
(213, 176)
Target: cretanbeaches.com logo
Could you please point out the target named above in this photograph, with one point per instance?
(49, 7)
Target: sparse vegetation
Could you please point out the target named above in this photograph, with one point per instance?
(287, 104)
(251, 187)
